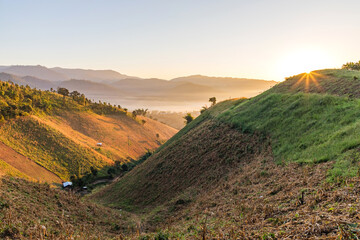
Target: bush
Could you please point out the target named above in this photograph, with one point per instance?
(161, 236)
(188, 117)
(352, 66)
(124, 167)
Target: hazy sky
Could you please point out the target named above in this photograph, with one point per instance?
(171, 38)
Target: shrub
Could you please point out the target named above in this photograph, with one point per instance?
(188, 117)
(124, 167)
(161, 236)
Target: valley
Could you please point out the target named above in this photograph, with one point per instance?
(259, 168)
(282, 164)
(179, 120)
(178, 94)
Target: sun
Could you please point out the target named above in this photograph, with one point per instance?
(303, 61)
(309, 78)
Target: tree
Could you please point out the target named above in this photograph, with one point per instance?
(82, 100)
(117, 164)
(72, 178)
(212, 100)
(134, 114)
(93, 171)
(352, 66)
(124, 167)
(111, 171)
(74, 94)
(141, 111)
(188, 117)
(203, 109)
(63, 91)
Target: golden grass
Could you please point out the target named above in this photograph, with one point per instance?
(65, 144)
(18, 165)
(8, 170)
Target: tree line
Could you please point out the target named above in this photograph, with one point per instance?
(352, 66)
(18, 100)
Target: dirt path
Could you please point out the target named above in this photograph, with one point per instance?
(26, 165)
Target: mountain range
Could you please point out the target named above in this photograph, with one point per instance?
(135, 92)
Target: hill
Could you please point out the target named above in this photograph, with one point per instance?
(92, 75)
(35, 71)
(50, 137)
(28, 80)
(62, 74)
(268, 167)
(31, 210)
(92, 89)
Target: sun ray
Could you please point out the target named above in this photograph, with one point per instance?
(315, 81)
(309, 78)
(299, 81)
(307, 83)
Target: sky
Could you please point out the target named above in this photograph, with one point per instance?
(172, 38)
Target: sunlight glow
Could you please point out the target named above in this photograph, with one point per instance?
(308, 78)
(303, 61)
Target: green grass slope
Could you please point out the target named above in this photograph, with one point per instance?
(281, 132)
(338, 82)
(314, 122)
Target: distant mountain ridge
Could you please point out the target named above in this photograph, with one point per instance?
(117, 88)
(92, 75)
(62, 74)
(35, 71)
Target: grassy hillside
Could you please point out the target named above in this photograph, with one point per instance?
(339, 82)
(264, 167)
(49, 148)
(17, 165)
(35, 211)
(309, 122)
(8, 170)
(60, 133)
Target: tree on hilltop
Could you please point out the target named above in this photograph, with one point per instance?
(74, 94)
(188, 117)
(203, 109)
(352, 66)
(212, 100)
(63, 91)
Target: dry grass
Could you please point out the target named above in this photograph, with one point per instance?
(35, 211)
(208, 195)
(266, 201)
(66, 144)
(168, 173)
(112, 130)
